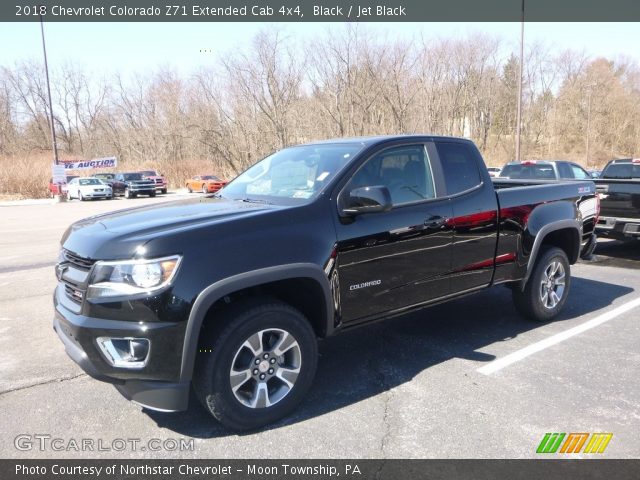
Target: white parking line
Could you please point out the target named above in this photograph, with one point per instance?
(518, 355)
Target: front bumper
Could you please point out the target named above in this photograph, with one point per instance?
(105, 194)
(156, 386)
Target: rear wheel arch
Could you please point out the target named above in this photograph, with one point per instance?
(303, 286)
(564, 234)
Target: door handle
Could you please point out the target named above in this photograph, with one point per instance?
(435, 221)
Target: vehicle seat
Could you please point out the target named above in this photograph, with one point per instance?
(412, 186)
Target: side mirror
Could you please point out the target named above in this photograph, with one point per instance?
(367, 200)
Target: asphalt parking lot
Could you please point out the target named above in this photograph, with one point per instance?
(422, 386)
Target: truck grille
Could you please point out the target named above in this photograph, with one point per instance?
(78, 261)
(75, 290)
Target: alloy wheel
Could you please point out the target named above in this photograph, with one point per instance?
(552, 285)
(265, 368)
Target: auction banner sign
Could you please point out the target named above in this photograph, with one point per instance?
(107, 162)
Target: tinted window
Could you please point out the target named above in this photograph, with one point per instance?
(537, 171)
(564, 170)
(405, 171)
(622, 170)
(579, 173)
(459, 165)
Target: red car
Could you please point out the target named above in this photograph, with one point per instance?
(205, 184)
(59, 189)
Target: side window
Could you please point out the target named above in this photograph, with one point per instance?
(459, 165)
(564, 170)
(405, 171)
(578, 172)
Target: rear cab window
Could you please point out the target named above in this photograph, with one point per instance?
(460, 166)
(529, 171)
(622, 171)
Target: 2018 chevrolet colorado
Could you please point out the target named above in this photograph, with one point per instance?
(230, 292)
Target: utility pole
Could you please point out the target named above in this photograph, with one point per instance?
(46, 72)
(519, 111)
(588, 132)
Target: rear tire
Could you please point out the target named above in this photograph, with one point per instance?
(548, 287)
(189, 189)
(163, 191)
(243, 378)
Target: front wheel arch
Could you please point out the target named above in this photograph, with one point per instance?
(252, 284)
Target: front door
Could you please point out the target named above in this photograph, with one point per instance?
(392, 260)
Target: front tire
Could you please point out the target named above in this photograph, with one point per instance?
(259, 367)
(80, 197)
(548, 287)
(152, 194)
(204, 189)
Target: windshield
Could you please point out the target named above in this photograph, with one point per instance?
(90, 181)
(293, 173)
(107, 176)
(132, 176)
(622, 170)
(538, 171)
(149, 173)
(210, 177)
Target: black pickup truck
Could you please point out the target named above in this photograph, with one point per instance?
(230, 292)
(619, 191)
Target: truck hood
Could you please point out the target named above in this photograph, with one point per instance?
(117, 234)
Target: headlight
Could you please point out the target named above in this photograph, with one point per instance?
(131, 277)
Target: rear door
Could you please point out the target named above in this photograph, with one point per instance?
(392, 260)
(475, 216)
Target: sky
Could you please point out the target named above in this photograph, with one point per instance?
(103, 48)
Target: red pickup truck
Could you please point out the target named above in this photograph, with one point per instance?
(157, 178)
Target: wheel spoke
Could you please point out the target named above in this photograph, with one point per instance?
(254, 343)
(288, 375)
(239, 378)
(554, 298)
(545, 298)
(560, 279)
(285, 343)
(260, 398)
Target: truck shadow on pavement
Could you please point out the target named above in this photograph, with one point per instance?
(616, 253)
(368, 361)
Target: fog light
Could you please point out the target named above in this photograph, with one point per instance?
(125, 352)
